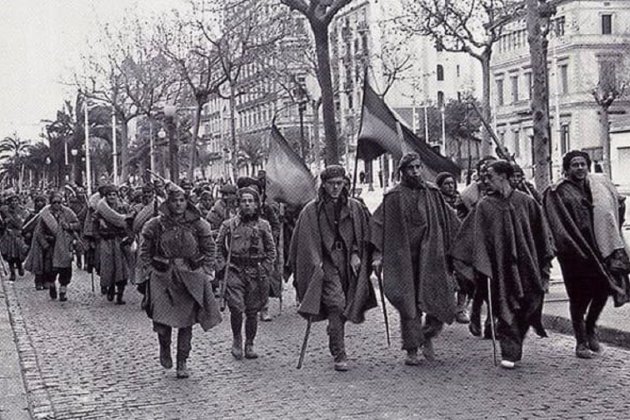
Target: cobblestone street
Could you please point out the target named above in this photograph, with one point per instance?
(89, 358)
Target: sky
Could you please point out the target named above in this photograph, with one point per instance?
(40, 45)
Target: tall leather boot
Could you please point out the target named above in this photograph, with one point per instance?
(20, 268)
(236, 321)
(165, 350)
(12, 271)
(184, 337)
(251, 326)
(63, 293)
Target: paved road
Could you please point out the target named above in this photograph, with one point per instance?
(88, 358)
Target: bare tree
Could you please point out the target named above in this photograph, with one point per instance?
(470, 26)
(612, 85)
(248, 32)
(126, 71)
(320, 14)
(197, 62)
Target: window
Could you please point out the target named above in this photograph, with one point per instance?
(607, 75)
(500, 92)
(559, 25)
(440, 72)
(529, 85)
(350, 101)
(565, 140)
(514, 81)
(606, 24)
(440, 99)
(564, 78)
(458, 70)
(517, 143)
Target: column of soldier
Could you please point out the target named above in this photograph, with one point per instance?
(434, 251)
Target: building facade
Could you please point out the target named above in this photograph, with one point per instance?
(411, 72)
(589, 40)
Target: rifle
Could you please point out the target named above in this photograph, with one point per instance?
(494, 339)
(379, 276)
(305, 342)
(502, 151)
(223, 286)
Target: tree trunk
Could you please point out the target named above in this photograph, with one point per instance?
(173, 149)
(234, 160)
(124, 147)
(316, 145)
(486, 143)
(604, 137)
(193, 143)
(540, 101)
(325, 83)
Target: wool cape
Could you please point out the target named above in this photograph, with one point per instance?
(507, 239)
(115, 260)
(306, 260)
(49, 226)
(179, 296)
(588, 234)
(433, 291)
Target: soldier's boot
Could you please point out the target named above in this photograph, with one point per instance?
(111, 293)
(165, 350)
(120, 290)
(20, 268)
(595, 309)
(52, 291)
(251, 326)
(581, 349)
(427, 349)
(336, 341)
(236, 321)
(62, 293)
(475, 318)
(461, 315)
(182, 369)
(264, 314)
(12, 271)
(412, 357)
(184, 338)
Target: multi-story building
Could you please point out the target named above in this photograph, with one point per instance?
(268, 90)
(588, 41)
(363, 35)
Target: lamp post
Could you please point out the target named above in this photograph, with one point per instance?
(301, 109)
(114, 148)
(173, 144)
(74, 153)
(47, 161)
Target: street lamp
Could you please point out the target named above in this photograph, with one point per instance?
(74, 153)
(47, 162)
(443, 145)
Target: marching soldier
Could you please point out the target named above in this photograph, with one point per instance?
(329, 256)
(245, 256)
(177, 255)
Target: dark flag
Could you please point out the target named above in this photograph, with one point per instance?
(382, 132)
(288, 178)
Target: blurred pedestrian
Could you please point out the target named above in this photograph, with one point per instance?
(12, 245)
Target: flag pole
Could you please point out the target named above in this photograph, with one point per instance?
(356, 154)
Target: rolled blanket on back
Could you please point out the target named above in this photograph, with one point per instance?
(110, 215)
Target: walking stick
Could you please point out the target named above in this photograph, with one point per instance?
(379, 276)
(305, 342)
(92, 278)
(225, 273)
(494, 339)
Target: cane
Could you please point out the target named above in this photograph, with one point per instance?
(305, 342)
(379, 276)
(494, 339)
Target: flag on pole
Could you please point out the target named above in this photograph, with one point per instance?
(383, 132)
(288, 178)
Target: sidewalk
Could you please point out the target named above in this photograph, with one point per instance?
(13, 401)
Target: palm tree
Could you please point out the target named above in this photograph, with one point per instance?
(252, 152)
(12, 152)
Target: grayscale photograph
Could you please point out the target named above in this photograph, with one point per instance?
(314, 209)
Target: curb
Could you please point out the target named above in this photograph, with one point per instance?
(611, 336)
(39, 401)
